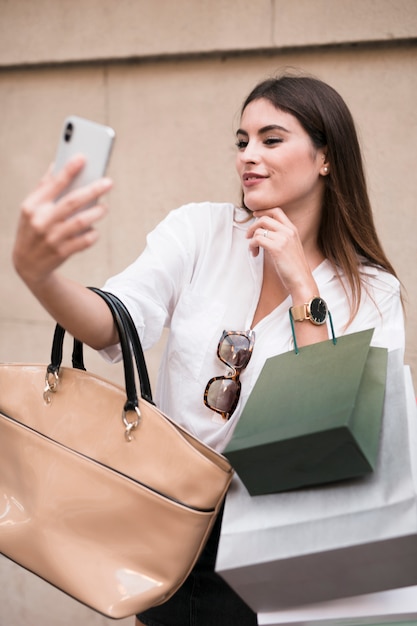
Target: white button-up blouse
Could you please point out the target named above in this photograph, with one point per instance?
(197, 277)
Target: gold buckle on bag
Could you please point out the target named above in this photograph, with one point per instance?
(130, 425)
(51, 385)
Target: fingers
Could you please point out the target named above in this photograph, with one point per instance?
(74, 228)
(78, 199)
(268, 220)
(52, 183)
(40, 209)
(271, 233)
(258, 237)
(40, 249)
(66, 246)
(50, 230)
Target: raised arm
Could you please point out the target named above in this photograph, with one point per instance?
(48, 234)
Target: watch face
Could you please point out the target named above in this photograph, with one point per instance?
(318, 311)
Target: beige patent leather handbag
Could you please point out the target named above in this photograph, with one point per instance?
(101, 494)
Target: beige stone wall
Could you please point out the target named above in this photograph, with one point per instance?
(169, 76)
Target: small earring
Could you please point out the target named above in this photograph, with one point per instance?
(325, 169)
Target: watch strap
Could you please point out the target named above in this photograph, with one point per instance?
(292, 320)
(300, 312)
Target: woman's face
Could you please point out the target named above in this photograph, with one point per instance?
(276, 160)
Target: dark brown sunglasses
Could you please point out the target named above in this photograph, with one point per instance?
(222, 393)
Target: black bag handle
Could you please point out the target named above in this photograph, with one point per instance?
(122, 314)
(130, 344)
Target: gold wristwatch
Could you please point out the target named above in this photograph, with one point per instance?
(315, 311)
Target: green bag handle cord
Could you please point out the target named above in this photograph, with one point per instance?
(296, 349)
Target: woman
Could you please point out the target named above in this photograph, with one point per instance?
(305, 230)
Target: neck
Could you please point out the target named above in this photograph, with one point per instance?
(308, 226)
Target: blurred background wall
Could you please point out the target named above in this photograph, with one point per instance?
(170, 76)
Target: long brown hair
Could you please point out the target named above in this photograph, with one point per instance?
(347, 228)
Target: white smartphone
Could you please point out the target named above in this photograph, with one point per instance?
(93, 140)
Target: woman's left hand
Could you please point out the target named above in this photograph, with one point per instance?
(293, 256)
(278, 236)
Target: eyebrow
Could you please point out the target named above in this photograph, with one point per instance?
(264, 129)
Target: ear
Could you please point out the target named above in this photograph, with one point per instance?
(325, 168)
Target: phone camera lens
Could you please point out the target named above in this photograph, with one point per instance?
(68, 131)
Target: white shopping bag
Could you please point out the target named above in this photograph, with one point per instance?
(315, 545)
(386, 607)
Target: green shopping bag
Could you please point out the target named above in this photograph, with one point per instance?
(313, 417)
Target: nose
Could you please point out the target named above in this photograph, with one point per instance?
(250, 153)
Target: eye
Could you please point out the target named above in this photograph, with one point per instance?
(272, 141)
(241, 144)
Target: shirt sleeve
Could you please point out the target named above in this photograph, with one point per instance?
(151, 285)
(381, 308)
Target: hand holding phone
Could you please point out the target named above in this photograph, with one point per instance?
(46, 235)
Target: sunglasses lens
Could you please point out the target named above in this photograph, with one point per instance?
(222, 394)
(234, 350)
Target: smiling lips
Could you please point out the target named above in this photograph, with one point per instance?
(252, 178)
